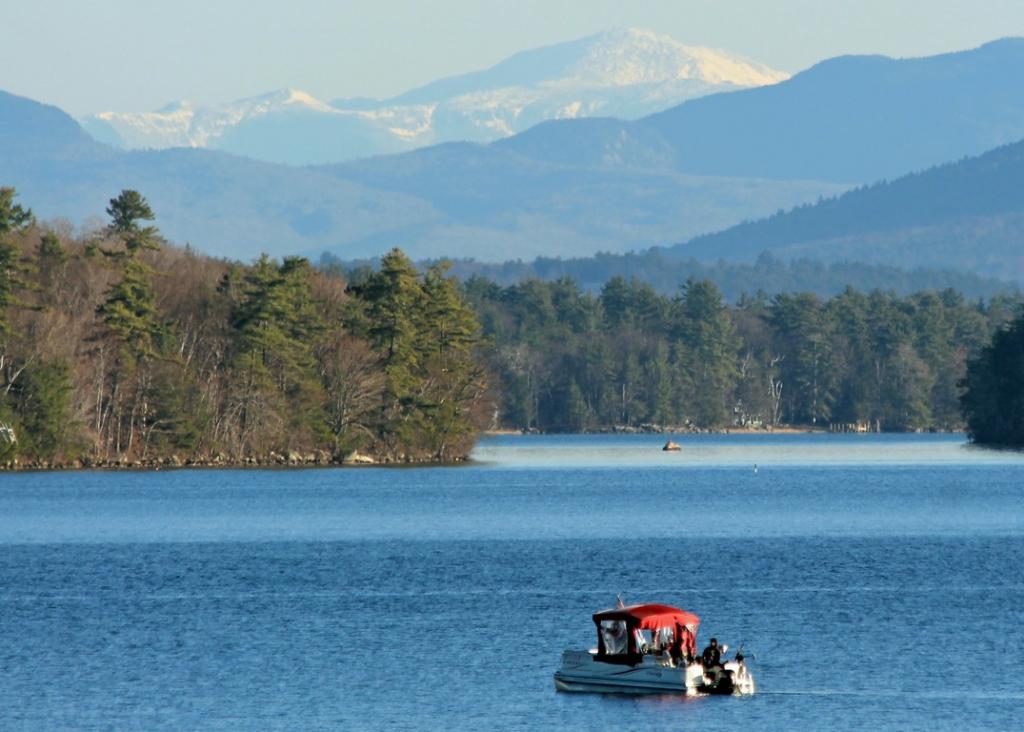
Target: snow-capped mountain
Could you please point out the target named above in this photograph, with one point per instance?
(622, 73)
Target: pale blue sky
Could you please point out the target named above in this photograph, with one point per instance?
(88, 55)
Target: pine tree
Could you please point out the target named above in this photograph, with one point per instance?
(42, 405)
(129, 311)
(425, 335)
(129, 315)
(51, 261)
(276, 320)
(616, 301)
(393, 296)
(703, 327)
(803, 339)
(392, 301)
(13, 219)
(450, 327)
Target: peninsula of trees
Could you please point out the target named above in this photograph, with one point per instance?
(116, 349)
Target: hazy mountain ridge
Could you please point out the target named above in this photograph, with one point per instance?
(564, 188)
(855, 118)
(968, 214)
(852, 119)
(625, 73)
(459, 199)
(30, 130)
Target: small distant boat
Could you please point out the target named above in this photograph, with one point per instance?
(649, 649)
(671, 446)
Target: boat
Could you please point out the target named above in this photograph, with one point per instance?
(649, 649)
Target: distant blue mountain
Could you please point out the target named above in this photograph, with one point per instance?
(458, 199)
(30, 131)
(967, 215)
(855, 118)
(852, 119)
(222, 204)
(571, 188)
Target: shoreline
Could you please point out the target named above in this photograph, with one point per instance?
(324, 459)
(272, 461)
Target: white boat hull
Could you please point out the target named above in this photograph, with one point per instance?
(582, 672)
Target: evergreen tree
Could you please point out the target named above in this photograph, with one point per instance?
(993, 399)
(180, 418)
(803, 340)
(129, 314)
(906, 397)
(393, 297)
(857, 392)
(129, 310)
(453, 382)
(658, 387)
(451, 329)
(13, 270)
(51, 264)
(575, 409)
(42, 405)
(392, 303)
(616, 301)
(277, 320)
(706, 333)
(426, 336)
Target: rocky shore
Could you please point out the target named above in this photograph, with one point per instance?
(320, 458)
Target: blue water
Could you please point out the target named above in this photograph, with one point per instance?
(877, 579)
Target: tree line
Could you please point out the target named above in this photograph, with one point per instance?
(664, 269)
(116, 347)
(569, 360)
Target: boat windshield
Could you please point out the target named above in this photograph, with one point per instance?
(614, 636)
(654, 640)
(662, 638)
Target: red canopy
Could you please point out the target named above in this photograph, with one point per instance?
(648, 617)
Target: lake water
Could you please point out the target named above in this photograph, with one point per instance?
(877, 580)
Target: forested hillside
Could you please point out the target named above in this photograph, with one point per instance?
(119, 349)
(629, 357)
(967, 215)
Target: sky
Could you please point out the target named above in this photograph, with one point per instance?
(137, 55)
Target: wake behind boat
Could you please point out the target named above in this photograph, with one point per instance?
(651, 649)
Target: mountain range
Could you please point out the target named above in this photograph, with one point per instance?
(957, 225)
(457, 199)
(966, 215)
(569, 188)
(622, 73)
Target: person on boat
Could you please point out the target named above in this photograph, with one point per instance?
(712, 659)
(675, 651)
(689, 643)
(712, 655)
